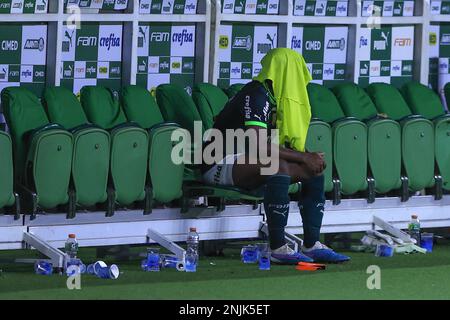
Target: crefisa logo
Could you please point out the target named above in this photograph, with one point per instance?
(183, 37)
(111, 41)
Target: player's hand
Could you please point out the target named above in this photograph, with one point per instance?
(315, 162)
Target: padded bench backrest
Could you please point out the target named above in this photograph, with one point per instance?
(177, 106)
(210, 100)
(232, 90)
(23, 113)
(140, 106)
(101, 107)
(354, 101)
(422, 100)
(63, 107)
(388, 100)
(324, 105)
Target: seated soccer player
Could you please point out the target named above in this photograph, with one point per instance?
(276, 99)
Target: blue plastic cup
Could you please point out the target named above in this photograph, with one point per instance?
(426, 241)
(75, 266)
(249, 254)
(90, 269)
(153, 260)
(102, 270)
(263, 256)
(43, 267)
(384, 250)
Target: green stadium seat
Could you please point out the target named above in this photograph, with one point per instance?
(424, 101)
(166, 177)
(383, 136)
(334, 134)
(7, 196)
(91, 146)
(233, 89)
(129, 144)
(417, 148)
(210, 100)
(42, 152)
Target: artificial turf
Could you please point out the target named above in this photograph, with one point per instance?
(417, 276)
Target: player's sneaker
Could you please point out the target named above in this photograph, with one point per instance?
(321, 253)
(285, 255)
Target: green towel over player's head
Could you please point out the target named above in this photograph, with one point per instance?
(287, 70)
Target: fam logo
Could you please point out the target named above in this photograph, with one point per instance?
(179, 7)
(263, 48)
(402, 42)
(5, 5)
(336, 44)
(87, 41)
(111, 41)
(183, 37)
(10, 45)
(224, 70)
(35, 44)
(380, 45)
(250, 6)
(160, 37)
(156, 6)
(296, 43)
(243, 43)
(223, 42)
(363, 42)
(445, 39)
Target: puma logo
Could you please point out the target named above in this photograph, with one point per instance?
(282, 213)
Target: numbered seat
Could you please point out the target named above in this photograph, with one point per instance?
(42, 151)
(166, 175)
(417, 147)
(129, 143)
(91, 146)
(342, 139)
(424, 101)
(383, 137)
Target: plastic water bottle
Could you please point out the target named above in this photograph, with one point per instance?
(71, 246)
(414, 228)
(192, 250)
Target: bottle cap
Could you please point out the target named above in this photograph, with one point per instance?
(191, 229)
(414, 216)
(72, 235)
